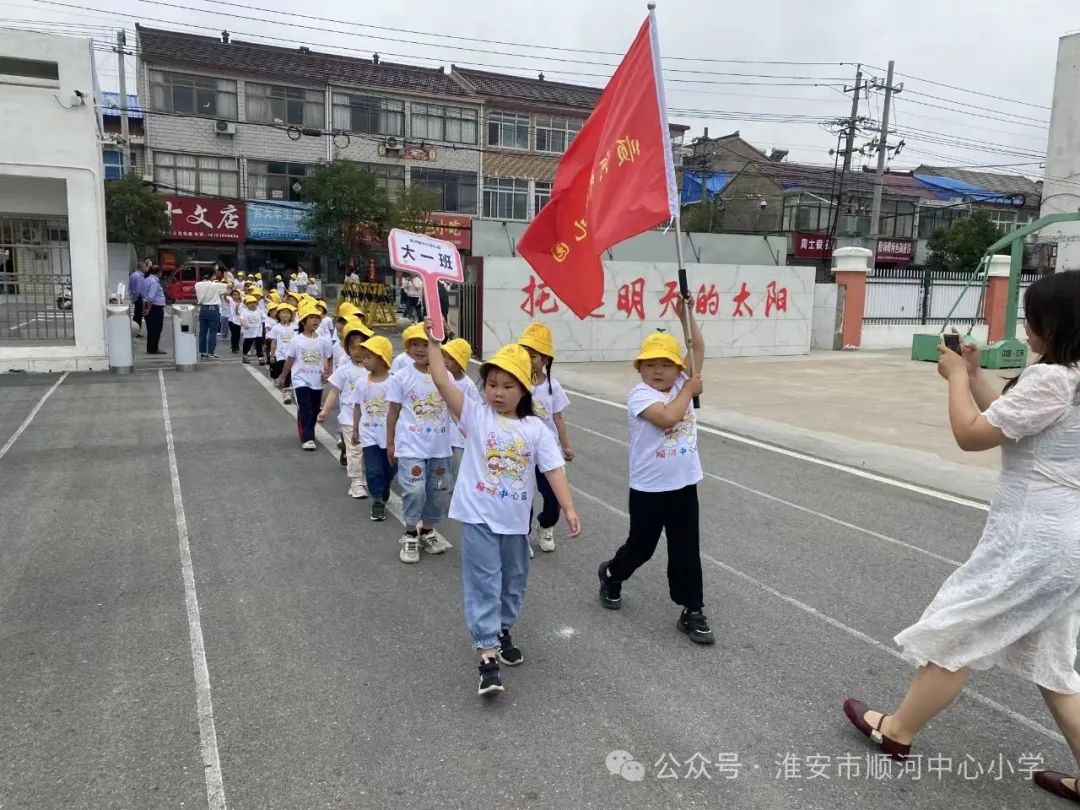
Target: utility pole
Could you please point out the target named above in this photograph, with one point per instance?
(125, 134)
(849, 147)
(883, 150)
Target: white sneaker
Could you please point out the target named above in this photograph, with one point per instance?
(547, 539)
(410, 549)
(435, 543)
(288, 396)
(358, 490)
(308, 445)
(531, 552)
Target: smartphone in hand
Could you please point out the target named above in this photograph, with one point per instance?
(952, 342)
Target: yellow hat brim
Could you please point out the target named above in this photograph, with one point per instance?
(659, 354)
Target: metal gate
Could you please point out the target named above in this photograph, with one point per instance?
(35, 280)
(471, 305)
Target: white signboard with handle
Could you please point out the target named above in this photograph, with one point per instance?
(433, 260)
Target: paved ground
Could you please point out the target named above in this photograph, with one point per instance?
(203, 602)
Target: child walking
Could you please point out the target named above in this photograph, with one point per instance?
(664, 473)
(251, 328)
(549, 402)
(505, 444)
(369, 422)
(343, 384)
(281, 336)
(235, 305)
(456, 355)
(308, 361)
(418, 440)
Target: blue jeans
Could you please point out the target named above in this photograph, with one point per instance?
(209, 322)
(494, 573)
(224, 324)
(379, 472)
(425, 489)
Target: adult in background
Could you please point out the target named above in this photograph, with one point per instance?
(301, 279)
(352, 277)
(136, 283)
(413, 291)
(1015, 602)
(154, 307)
(208, 295)
(444, 307)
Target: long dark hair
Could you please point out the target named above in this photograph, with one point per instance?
(548, 362)
(1052, 310)
(525, 404)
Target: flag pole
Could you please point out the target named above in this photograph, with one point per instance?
(684, 314)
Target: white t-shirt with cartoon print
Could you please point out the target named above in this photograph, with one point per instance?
(371, 397)
(467, 386)
(423, 428)
(497, 478)
(345, 380)
(661, 460)
(309, 357)
(251, 321)
(547, 403)
(282, 335)
(401, 362)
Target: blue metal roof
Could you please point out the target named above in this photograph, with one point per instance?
(715, 183)
(949, 188)
(110, 105)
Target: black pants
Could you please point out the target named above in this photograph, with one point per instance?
(276, 367)
(155, 320)
(137, 315)
(676, 514)
(234, 337)
(308, 402)
(256, 342)
(549, 515)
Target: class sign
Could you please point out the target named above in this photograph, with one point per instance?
(434, 260)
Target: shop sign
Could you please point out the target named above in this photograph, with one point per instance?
(277, 222)
(204, 219)
(896, 251)
(812, 246)
(453, 228)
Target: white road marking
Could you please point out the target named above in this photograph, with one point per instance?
(30, 416)
(989, 703)
(215, 786)
(393, 506)
(566, 632)
(832, 465)
(806, 510)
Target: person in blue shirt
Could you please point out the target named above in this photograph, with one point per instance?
(136, 282)
(154, 306)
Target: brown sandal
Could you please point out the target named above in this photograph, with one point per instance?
(856, 711)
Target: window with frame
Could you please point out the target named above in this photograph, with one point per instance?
(278, 104)
(554, 133)
(196, 174)
(374, 115)
(273, 180)
(456, 190)
(541, 195)
(436, 122)
(114, 164)
(506, 198)
(677, 139)
(192, 95)
(897, 219)
(1003, 218)
(389, 177)
(933, 218)
(508, 130)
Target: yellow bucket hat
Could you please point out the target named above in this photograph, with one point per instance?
(514, 360)
(537, 337)
(308, 310)
(380, 346)
(414, 332)
(659, 346)
(346, 310)
(251, 299)
(292, 275)
(289, 307)
(356, 325)
(460, 350)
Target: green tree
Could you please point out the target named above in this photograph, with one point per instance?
(350, 212)
(413, 207)
(134, 214)
(963, 245)
(703, 217)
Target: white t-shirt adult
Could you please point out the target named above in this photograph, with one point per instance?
(345, 380)
(414, 287)
(402, 362)
(497, 478)
(371, 397)
(282, 335)
(208, 293)
(302, 279)
(423, 427)
(468, 388)
(251, 321)
(309, 356)
(661, 460)
(548, 403)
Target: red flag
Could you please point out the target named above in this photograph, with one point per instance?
(616, 180)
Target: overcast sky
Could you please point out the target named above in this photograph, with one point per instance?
(1003, 48)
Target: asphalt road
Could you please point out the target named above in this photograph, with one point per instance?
(335, 676)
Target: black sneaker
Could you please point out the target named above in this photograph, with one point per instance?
(610, 590)
(490, 682)
(344, 462)
(693, 623)
(378, 510)
(508, 653)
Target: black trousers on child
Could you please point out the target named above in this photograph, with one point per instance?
(308, 402)
(234, 337)
(676, 514)
(276, 367)
(257, 342)
(549, 515)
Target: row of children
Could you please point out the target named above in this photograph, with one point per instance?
(420, 420)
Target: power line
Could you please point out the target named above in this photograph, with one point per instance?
(972, 92)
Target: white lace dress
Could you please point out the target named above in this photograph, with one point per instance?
(1015, 603)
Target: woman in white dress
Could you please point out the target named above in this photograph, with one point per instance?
(1015, 603)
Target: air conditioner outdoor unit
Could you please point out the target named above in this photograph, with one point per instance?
(392, 144)
(224, 127)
